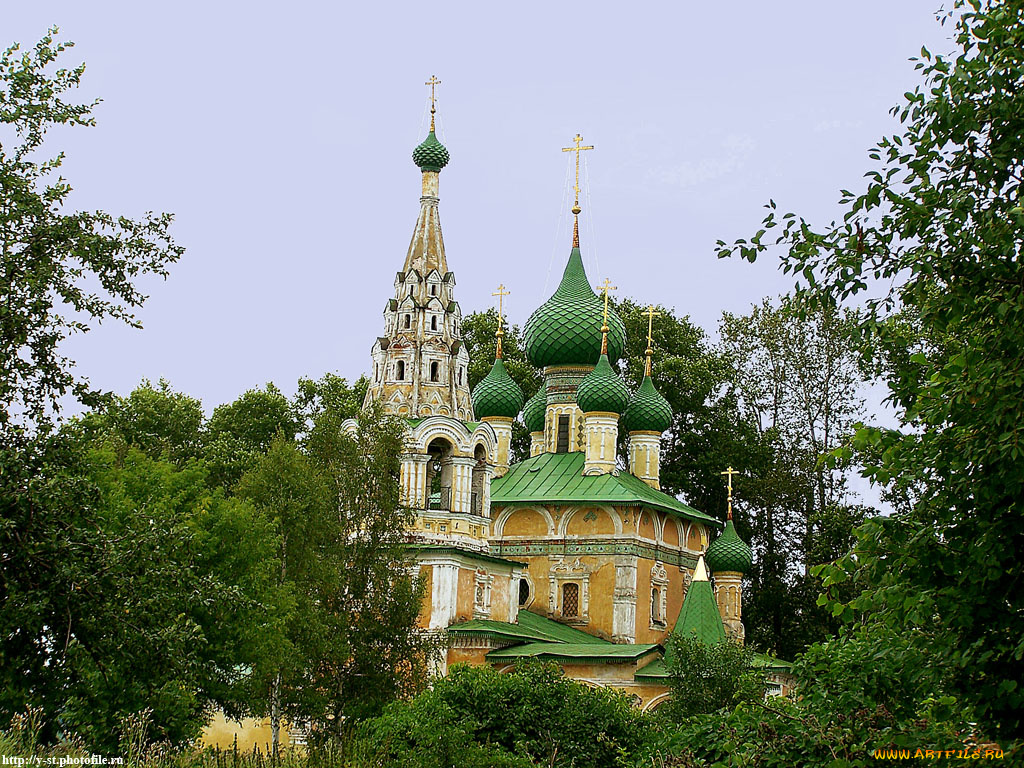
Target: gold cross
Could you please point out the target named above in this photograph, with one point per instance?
(432, 82)
(501, 293)
(729, 473)
(651, 314)
(577, 149)
(605, 287)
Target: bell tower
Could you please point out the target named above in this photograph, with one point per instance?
(420, 364)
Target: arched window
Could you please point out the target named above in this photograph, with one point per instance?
(460, 376)
(408, 321)
(571, 600)
(435, 369)
(433, 322)
(376, 372)
(400, 370)
(433, 290)
(655, 604)
(524, 591)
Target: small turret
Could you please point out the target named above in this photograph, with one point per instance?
(729, 558)
(645, 418)
(602, 396)
(497, 399)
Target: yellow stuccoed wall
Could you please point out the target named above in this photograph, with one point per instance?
(221, 733)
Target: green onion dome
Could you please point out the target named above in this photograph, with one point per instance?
(566, 329)
(729, 552)
(497, 394)
(431, 154)
(534, 411)
(647, 411)
(602, 390)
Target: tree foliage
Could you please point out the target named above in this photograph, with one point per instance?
(532, 715)
(61, 270)
(932, 250)
(707, 677)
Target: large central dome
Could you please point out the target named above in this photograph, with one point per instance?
(566, 329)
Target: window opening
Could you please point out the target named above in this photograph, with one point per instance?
(434, 372)
(408, 321)
(433, 322)
(401, 370)
(524, 591)
(563, 435)
(571, 600)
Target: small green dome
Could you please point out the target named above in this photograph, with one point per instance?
(566, 329)
(534, 411)
(729, 552)
(497, 394)
(602, 390)
(431, 154)
(647, 411)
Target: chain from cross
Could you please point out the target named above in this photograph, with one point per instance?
(605, 287)
(577, 149)
(432, 82)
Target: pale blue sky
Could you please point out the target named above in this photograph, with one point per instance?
(280, 136)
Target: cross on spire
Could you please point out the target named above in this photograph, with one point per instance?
(729, 473)
(605, 287)
(651, 314)
(576, 188)
(433, 81)
(501, 293)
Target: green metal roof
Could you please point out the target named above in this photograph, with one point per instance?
(729, 552)
(579, 653)
(534, 411)
(602, 390)
(497, 394)
(431, 154)
(566, 329)
(558, 477)
(656, 671)
(556, 630)
(647, 411)
(699, 615)
(529, 627)
(501, 629)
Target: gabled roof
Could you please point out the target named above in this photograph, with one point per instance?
(529, 627)
(556, 630)
(579, 653)
(558, 477)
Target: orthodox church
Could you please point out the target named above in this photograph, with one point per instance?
(564, 556)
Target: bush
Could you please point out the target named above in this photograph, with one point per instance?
(533, 715)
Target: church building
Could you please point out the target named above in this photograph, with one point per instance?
(564, 556)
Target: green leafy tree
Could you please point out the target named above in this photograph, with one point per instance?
(532, 715)
(61, 269)
(351, 639)
(328, 393)
(156, 420)
(707, 677)
(932, 250)
(799, 383)
(372, 651)
(239, 432)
